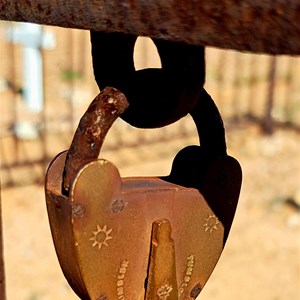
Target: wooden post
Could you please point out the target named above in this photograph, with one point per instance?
(2, 271)
(267, 122)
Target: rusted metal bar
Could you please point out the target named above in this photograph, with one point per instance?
(92, 129)
(270, 26)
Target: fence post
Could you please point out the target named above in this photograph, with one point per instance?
(32, 38)
(2, 271)
(267, 122)
(252, 109)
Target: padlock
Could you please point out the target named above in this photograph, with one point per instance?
(141, 237)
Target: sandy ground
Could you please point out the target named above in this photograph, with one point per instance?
(261, 259)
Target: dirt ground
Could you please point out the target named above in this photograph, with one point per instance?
(261, 259)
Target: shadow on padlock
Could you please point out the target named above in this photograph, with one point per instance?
(141, 237)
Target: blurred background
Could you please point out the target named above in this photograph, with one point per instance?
(46, 84)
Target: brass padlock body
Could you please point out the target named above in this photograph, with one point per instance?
(105, 226)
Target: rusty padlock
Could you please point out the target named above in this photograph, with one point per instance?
(142, 237)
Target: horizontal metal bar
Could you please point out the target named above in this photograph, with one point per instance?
(265, 26)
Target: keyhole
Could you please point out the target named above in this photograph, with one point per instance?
(145, 54)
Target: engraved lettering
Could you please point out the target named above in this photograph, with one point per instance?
(120, 282)
(120, 290)
(188, 274)
(164, 291)
(124, 263)
(189, 270)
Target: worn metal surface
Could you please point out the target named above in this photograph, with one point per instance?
(249, 25)
(161, 280)
(145, 200)
(60, 219)
(107, 229)
(91, 131)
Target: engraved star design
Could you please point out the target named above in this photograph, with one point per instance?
(101, 236)
(211, 223)
(164, 291)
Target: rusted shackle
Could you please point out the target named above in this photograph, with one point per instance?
(91, 131)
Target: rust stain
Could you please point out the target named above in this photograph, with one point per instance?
(251, 25)
(91, 131)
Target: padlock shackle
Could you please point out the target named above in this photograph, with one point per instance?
(109, 105)
(210, 126)
(91, 132)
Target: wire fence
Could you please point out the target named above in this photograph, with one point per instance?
(246, 87)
